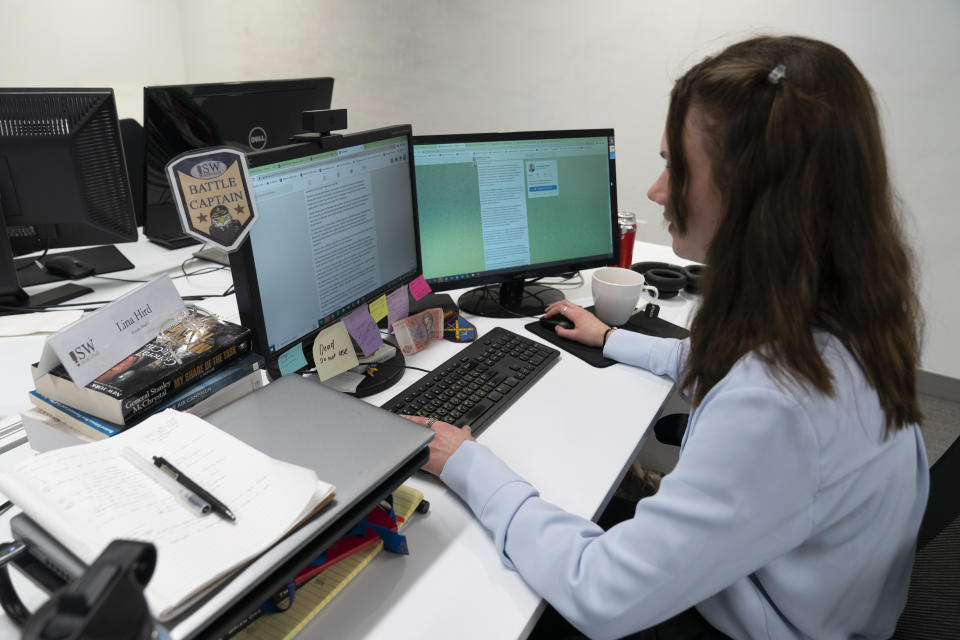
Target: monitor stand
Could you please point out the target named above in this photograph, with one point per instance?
(388, 374)
(14, 304)
(213, 254)
(13, 299)
(509, 299)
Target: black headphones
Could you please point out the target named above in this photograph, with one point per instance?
(669, 279)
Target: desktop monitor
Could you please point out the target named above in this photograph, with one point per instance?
(63, 183)
(498, 209)
(247, 115)
(336, 230)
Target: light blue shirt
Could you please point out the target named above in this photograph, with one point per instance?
(788, 514)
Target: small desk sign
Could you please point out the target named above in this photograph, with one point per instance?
(211, 189)
(99, 340)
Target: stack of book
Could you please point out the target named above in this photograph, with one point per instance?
(196, 369)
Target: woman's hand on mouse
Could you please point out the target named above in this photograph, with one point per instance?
(588, 329)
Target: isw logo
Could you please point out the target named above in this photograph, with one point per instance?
(82, 352)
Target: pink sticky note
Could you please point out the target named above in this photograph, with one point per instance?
(364, 330)
(398, 306)
(419, 288)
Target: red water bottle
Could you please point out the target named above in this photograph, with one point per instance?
(628, 233)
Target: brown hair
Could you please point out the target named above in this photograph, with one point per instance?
(809, 237)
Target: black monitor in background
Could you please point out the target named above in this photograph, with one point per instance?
(336, 229)
(63, 183)
(251, 116)
(131, 132)
(498, 209)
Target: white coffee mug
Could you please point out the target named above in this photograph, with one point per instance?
(616, 292)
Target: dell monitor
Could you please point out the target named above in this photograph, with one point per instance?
(336, 229)
(498, 209)
(250, 116)
(63, 183)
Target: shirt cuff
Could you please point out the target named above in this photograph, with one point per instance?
(630, 347)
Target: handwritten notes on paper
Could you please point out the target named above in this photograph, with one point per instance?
(333, 352)
(419, 288)
(398, 306)
(364, 330)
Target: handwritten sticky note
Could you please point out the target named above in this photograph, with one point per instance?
(419, 288)
(398, 306)
(364, 330)
(333, 352)
(378, 308)
(291, 360)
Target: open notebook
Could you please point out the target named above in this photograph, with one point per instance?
(87, 495)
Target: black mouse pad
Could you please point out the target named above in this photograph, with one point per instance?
(105, 259)
(594, 355)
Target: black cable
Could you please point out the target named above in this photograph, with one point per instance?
(9, 600)
(201, 272)
(12, 309)
(565, 282)
(198, 272)
(183, 265)
(100, 303)
(117, 279)
(397, 366)
(38, 261)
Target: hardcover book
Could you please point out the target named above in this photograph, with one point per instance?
(180, 356)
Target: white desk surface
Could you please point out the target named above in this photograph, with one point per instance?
(573, 435)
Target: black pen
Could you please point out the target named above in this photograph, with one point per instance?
(179, 476)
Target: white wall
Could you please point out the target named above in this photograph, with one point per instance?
(447, 65)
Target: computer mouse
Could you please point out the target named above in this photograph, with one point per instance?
(66, 266)
(556, 321)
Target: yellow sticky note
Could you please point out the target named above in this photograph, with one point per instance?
(378, 308)
(333, 352)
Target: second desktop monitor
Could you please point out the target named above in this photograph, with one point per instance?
(498, 209)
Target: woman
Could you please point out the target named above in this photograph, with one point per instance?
(794, 507)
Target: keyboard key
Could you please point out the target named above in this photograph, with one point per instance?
(475, 412)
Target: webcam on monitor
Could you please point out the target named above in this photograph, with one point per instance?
(319, 123)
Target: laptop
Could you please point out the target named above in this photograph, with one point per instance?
(364, 451)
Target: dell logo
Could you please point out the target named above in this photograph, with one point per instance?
(257, 138)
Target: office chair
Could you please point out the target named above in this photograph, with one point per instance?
(933, 603)
(669, 429)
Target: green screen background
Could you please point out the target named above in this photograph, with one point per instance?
(574, 224)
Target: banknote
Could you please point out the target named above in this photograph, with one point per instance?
(415, 332)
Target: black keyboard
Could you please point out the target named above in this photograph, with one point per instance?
(476, 385)
(174, 240)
